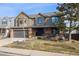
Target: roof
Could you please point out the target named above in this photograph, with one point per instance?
(49, 14)
(24, 14)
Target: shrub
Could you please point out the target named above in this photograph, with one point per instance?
(39, 37)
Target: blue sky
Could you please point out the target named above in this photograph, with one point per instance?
(13, 9)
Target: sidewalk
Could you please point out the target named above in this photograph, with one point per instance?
(24, 52)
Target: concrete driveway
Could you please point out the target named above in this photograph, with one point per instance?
(10, 40)
(5, 41)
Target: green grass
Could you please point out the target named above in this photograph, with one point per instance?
(51, 46)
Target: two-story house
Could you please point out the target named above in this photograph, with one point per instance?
(28, 26)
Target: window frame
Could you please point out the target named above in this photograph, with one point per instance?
(40, 20)
(4, 22)
(55, 20)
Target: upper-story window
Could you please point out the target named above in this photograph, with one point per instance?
(4, 22)
(55, 19)
(40, 20)
(21, 21)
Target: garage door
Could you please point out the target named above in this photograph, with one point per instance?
(19, 34)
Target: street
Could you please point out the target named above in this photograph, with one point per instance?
(5, 54)
(10, 54)
(5, 51)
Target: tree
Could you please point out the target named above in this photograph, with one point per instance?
(71, 13)
(60, 24)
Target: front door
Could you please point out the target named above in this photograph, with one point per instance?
(39, 31)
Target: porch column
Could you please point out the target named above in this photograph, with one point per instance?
(30, 32)
(11, 33)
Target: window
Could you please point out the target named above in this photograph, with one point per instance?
(21, 22)
(40, 20)
(4, 22)
(55, 19)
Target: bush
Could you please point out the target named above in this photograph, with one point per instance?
(39, 37)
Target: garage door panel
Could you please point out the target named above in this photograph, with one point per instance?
(18, 34)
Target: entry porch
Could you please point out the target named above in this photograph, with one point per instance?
(51, 31)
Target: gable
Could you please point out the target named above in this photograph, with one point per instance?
(23, 20)
(22, 15)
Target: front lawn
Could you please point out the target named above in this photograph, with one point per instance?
(51, 46)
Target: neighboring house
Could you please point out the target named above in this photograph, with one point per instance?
(75, 32)
(28, 26)
(6, 22)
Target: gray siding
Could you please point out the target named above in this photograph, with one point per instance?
(18, 34)
(6, 22)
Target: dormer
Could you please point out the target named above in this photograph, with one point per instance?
(40, 19)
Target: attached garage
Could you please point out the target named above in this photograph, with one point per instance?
(20, 33)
